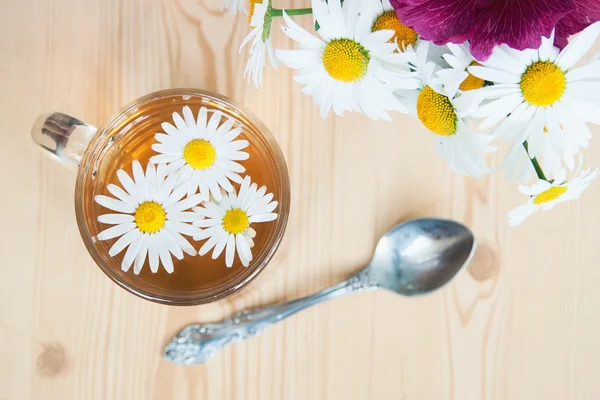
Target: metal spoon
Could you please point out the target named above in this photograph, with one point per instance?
(411, 259)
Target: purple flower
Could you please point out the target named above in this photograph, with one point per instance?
(586, 12)
(485, 23)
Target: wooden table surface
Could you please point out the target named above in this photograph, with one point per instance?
(520, 323)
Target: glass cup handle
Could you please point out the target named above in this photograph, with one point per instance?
(63, 136)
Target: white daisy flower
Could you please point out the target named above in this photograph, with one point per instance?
(260, 22)
(544, 95)
(226, 225)
(444, 116)
(426, 57)
(456, 77)
(347, 69)
(150, 218)
(234, 6)
(545, 195)
(204, 152)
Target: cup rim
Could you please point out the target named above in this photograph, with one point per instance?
(83, 175)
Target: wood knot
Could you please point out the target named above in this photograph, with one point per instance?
(485, 263)
(52, 360)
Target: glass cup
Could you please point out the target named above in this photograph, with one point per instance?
(99, 153)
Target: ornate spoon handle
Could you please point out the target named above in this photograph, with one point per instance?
(196, 343)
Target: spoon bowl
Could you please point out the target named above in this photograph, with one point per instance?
(421, 255)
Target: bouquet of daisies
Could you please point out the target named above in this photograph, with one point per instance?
(472, 72)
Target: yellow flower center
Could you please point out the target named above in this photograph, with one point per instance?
(436, 112)
(543, 83)
(345, 60)
(150, 217)
(199, 154)
(472, 82)
(402, 33)
(550, 194)
(253, 4)
(235, 221)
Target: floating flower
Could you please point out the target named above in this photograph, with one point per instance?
(545, 195)
(260, 23)
(347, 69)
(226, 225)
(150, 218)
(444, 116)
(547, 97)
(204, 153)
(487, 23)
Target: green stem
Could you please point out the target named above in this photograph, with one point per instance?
(536, 165)
(276, 12)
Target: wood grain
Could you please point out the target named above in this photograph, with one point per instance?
(520, 323)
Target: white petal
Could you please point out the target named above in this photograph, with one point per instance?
(166, 188)
(114, 204)
(164, 255)
(150, 186)
(208, 232)
(180, 227)
(131, 253)
(221, 242)
(230, 251)
(263, 217)
(138, 173)
(519, 214)
(171, 130)
(207, 223)
(210, 243)
(493, 75)
(181, 125)
(226, 126)
(233, 146)
(116, 230)
(210, 210)
(185, 204)
(250, 241)
(202, 116)
(501, 108)
(129, 185)
(244, 251)
(188, 116)
(230, 165)
(246, 201)
(174, 197)
(213, 123)
(236, 155)
(580, 45)
(121, 195)
(186, 216)
(124, 241)
(182, 242)
(141, 256)
(114, 219)
(255, 198)
(153, 253)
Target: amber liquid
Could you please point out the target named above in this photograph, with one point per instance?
(130, 138)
